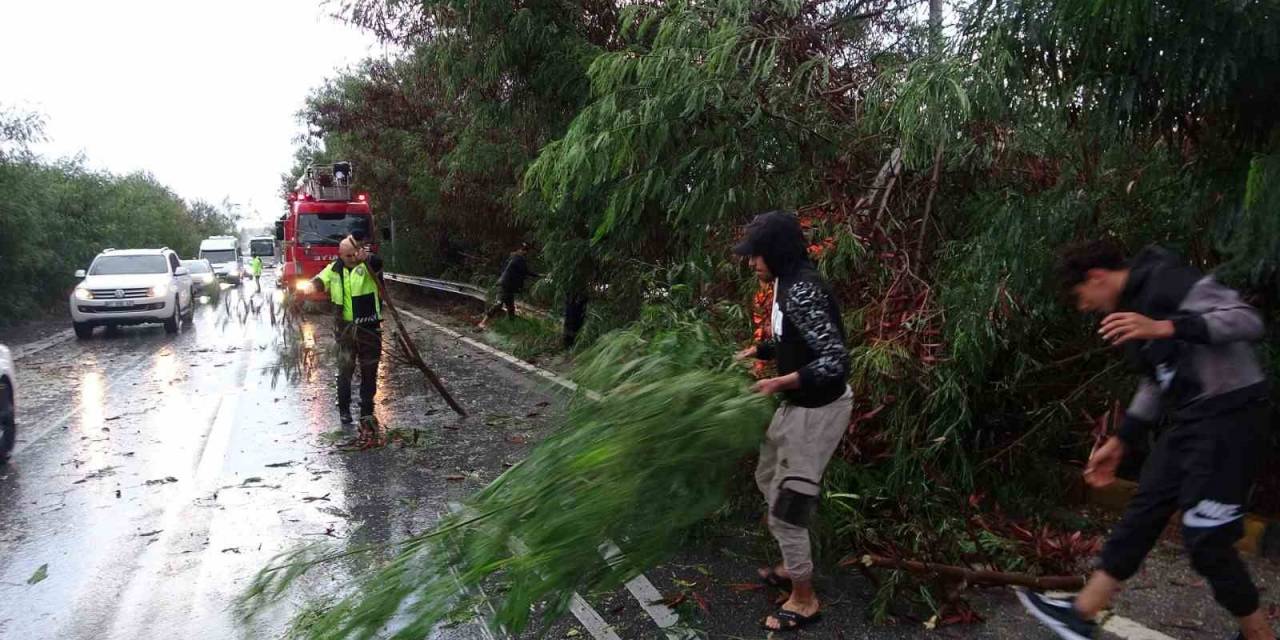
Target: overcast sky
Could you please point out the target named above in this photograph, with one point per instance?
(201, 94)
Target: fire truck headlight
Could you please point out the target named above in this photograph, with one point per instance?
(83, 293)
(304, 286)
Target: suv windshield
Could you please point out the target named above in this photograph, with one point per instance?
(262, 247)
(117, 265)
(218, 257)
(196, 266)
(330, 228)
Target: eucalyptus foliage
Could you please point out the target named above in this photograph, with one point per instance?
(635, 467)
(648, 132)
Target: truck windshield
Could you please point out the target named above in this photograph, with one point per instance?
(117, 265)
(218, 257)
(261, 247)
(330, 228)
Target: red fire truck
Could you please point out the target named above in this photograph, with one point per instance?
(322, 211)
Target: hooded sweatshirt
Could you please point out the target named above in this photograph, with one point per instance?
(810, 337)
(1209, 366)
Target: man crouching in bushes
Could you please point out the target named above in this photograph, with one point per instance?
(813, 365)
(1190, 340)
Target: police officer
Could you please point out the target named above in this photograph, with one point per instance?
(255, 267)
(352, 284)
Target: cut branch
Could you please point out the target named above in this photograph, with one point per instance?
(972, 576)
(411, 352)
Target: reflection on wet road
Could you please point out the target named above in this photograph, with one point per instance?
(155, 474)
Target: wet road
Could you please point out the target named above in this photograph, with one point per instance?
(154, 474)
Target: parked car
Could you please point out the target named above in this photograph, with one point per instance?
(8, 405)
(133, 286)
(203, 280)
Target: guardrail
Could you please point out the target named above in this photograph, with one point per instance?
(460, 288)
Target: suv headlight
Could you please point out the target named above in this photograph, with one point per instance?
(83, 293)
(159, 291)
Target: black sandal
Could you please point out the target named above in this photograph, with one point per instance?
(789, 621)
(771, 579)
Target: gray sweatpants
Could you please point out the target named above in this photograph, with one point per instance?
(799, 443)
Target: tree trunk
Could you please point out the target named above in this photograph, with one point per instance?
(935, 26)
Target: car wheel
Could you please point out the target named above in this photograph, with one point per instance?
(8, 422)
(171, 324)
(191, 309)
(84, 330)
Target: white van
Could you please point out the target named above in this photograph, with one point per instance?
(223, 252)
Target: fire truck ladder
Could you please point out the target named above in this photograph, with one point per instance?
(327, 181)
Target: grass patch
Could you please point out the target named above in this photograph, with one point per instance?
(527, 338)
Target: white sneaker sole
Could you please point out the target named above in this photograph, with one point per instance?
(1054, 625)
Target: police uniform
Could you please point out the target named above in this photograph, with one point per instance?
(358, 318)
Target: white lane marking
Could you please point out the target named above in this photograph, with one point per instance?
(502, 355)
(24, 350)
(1126, 628)
(595, 625)
(650, 598)
(1120, 625)
(641, 588)
(581, 609)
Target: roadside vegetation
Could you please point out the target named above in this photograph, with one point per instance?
(58, 214)
(938, 157)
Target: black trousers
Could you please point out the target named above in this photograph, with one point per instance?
(1205, 468)
(362, 346)
(506, 300)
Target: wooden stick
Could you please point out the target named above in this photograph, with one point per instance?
(928, 203)
(407, 343)
(972, 576)
(412, 350)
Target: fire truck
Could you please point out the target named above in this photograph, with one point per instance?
(323, 209)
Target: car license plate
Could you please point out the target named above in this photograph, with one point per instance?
(115, 304)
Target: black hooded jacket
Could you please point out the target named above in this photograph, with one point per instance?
(811, 339)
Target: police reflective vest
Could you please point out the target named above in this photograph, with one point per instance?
(256, 266)
(355, 290)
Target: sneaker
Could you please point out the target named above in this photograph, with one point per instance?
(1058, 615)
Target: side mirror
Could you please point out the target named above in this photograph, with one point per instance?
(386, 234)
(181, 271)
(80, 273)
(280, 230)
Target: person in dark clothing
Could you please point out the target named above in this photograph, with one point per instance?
(1189, 339)
(352, 284)
(808, 345)
(575, 315)
(510, 283)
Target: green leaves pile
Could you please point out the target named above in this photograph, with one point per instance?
(636, 466)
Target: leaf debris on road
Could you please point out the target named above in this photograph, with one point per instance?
(39, 575)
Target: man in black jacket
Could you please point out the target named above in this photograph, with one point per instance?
(1189, 338)
(813, 365)
(510, 283)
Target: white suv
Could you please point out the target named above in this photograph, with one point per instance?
(133, 286)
